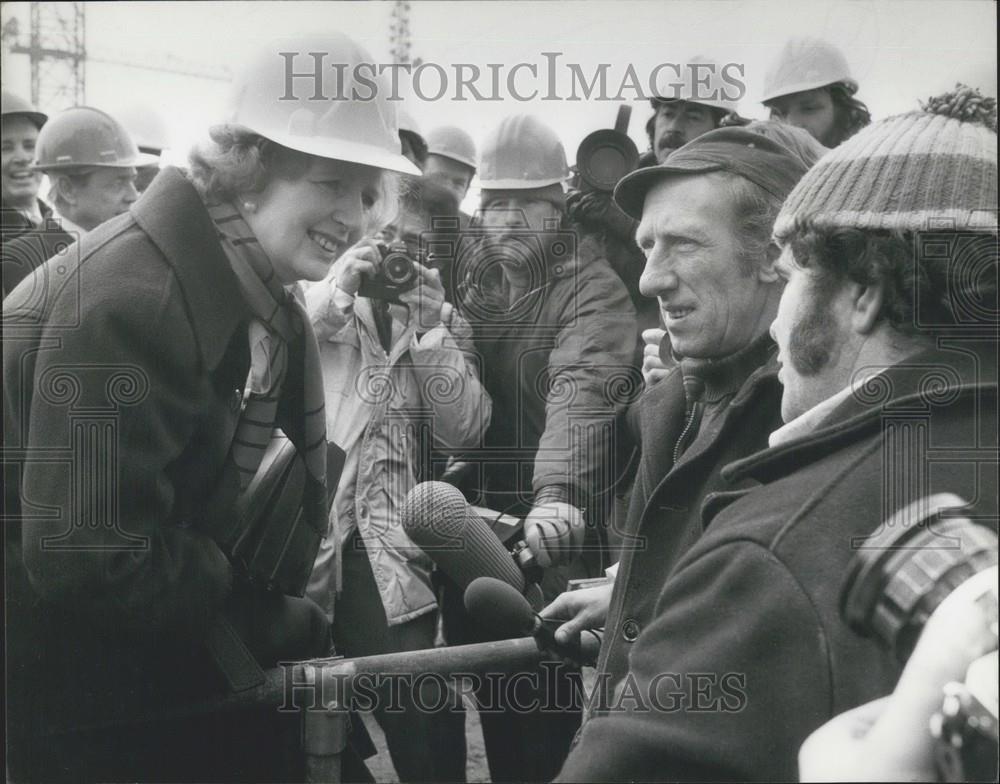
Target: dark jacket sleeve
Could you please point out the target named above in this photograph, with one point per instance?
(592, 377)
(124, 388)
(725, 683)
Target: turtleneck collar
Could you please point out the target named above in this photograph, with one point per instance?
(714, 379)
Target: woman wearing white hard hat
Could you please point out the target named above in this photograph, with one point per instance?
(163, 561)
(810, 86)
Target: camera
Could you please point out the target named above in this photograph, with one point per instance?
(605, 156)
(395, 274)
(899, 577)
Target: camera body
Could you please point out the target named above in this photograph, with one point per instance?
(395, 274)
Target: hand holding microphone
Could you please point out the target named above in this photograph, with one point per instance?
(580, 610)
(554, 532)
(499, 607)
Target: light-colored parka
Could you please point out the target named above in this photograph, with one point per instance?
(387, 411)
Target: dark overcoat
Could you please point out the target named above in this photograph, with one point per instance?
(122, 391)
(747, 653)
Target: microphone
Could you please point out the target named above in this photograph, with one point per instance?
(437, 518)
(503, 611)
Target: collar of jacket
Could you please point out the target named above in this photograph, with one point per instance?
(924, 379)
(172, 214)
(723, 377)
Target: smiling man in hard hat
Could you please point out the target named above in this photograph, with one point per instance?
(22, 210)
(810, 86)
(91, 162)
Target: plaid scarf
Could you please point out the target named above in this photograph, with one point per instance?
(279, 319)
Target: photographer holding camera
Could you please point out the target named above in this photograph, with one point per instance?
(399, 382)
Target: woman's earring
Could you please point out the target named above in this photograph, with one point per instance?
(250, 206)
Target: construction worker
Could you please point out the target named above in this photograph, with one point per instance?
(685, 110)
(810, 86)
(91, 162)
(22, 210)
(556, 333)
(451, 159)
(151, 134)
(138, 583)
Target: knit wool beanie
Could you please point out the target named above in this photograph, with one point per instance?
(930, 169)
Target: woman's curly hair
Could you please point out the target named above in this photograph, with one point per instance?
(924, 289)
(235, 160)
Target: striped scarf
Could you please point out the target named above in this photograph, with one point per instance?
(279, 319)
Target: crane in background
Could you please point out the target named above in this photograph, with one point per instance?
(57, 52)
(399, 33)
(56, 46)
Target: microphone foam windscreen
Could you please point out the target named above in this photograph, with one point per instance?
(437, 518)
(499, 608)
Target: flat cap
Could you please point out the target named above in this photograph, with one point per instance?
(763, 161)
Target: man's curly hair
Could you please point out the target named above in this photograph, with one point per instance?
(922, 292)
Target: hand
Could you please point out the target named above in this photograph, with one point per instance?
(587, 206)
(359, 261)
(889, 739)
(424, 301)
(554, 532)
(583, 609)
(653, 369)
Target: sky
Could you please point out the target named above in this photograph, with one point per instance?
(899, 51)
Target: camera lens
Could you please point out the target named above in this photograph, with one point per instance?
(398, 269)
(903, 571)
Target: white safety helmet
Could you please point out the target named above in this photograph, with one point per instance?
(702, 85)
(147, 127)
(520, 153)
(452, 142)
(84, 137)
(349, 120)
(807, 64)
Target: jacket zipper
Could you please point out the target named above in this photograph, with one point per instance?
(684, 433)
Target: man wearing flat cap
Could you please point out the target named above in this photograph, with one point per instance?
(887, 347)
(705, 226)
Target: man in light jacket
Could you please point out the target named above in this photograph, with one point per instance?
(399, 382)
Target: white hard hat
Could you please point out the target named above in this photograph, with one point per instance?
(521, 153)
(806, 64)
(146, 125)
(12, 105)
(272, 98)
(690, 85)
(85, 137)
(452, 142)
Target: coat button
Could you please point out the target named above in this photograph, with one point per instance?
(630, 630)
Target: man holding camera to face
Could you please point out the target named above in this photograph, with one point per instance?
(398, 382)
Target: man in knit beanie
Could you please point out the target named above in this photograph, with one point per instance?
(887, 338)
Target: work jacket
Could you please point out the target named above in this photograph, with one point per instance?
(387, 410)
(748, 652)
